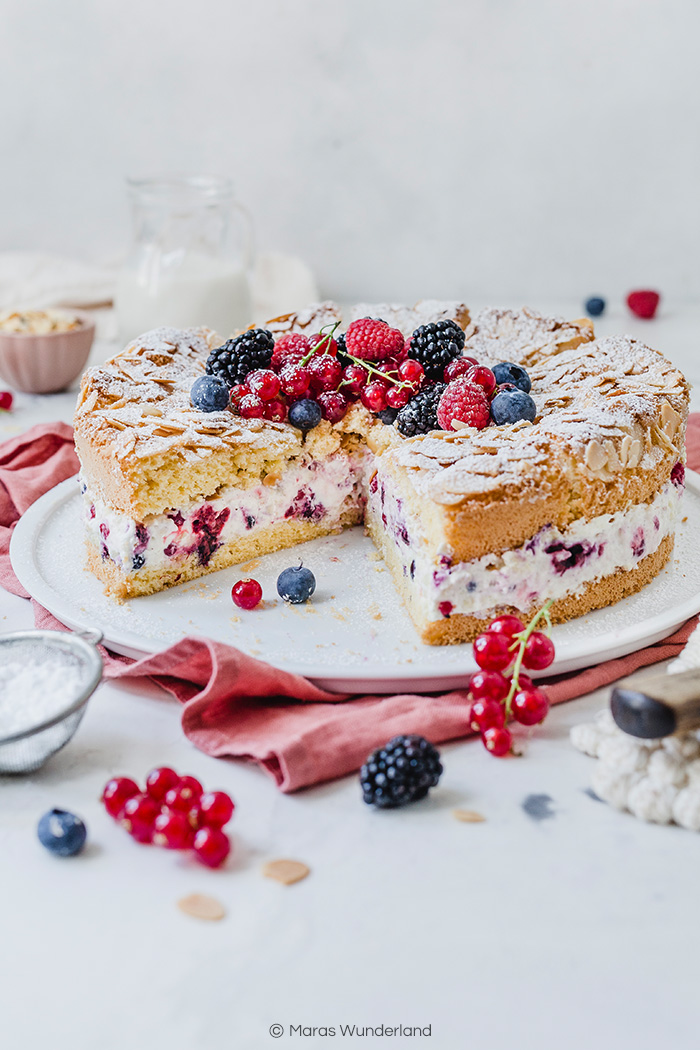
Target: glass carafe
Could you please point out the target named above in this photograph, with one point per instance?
(190, 258)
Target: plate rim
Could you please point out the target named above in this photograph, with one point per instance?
(23, 546)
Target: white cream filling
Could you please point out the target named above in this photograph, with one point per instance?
(310, 491)
(552, 564)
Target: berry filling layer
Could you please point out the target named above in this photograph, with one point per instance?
(552, 564)
(316, 492)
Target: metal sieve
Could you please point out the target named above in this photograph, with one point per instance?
(28, 749)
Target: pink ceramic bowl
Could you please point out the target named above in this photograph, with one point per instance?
(45, 364)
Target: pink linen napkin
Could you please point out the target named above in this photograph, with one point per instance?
(237, 706)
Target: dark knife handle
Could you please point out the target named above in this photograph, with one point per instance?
(657, 706)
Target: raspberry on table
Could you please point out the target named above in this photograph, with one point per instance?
(464, 402)
(402, 771)
(435, 345)
(238, 357)
(419, 416)
(644, 303)
(373, 340)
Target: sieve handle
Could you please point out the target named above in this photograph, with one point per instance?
(91, 635)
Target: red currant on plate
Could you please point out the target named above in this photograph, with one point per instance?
(355, 377)
(483, 377)
(6, 400)
(373, 396)
(295, 380)
(333, 405)
(398, 396)
(263, 382)
(492, 651)
(539, 652)
(159, 781)
(139, 817)
(489, 685)
(497, 741)
(173, 830)
(486, 714)
(116, 794)
(216, 809)
(275, 411)
(508, 625)
(251, 407)
(246, 594)
(212, 846)
(530, 706)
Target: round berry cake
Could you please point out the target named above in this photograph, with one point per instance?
(497, 461)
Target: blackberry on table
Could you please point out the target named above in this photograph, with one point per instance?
(420, 414)
(237, 357)
(435, 345)
(402, 771)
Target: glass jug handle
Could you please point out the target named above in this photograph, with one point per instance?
(248, 235)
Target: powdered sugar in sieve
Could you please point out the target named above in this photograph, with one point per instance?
(46, 679)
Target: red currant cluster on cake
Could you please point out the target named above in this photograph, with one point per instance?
(497, 696)
(173, 811)
(419, 384)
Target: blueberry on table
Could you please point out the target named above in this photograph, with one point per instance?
(510, 406)
(507, 372)
(594, 306)
(209, 394)
(62, 833)
(305, 414)
(296, 585)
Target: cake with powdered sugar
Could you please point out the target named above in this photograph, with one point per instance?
(574, 497)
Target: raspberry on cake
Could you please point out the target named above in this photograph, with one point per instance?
(570, 493)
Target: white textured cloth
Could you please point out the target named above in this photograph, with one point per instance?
(655, 780)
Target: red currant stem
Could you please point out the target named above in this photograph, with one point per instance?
(522, 638)
(326, 340)
(401, 383)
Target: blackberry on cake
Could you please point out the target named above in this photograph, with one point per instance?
(420, 414)
(238, 357)
(435, 345)
(402, 771)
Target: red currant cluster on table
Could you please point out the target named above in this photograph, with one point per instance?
(497, 696)
(174, 812)
(418, 384)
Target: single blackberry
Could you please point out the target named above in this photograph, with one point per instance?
(388, 415)
(435, 345)
(237, 357)
(420, 414)
(342, 354)
(402, 771)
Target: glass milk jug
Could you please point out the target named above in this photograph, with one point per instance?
(190, 258)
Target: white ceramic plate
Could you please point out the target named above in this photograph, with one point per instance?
(355, 635)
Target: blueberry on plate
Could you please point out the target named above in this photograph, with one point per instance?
(510, 406)
(209, 394)
(296, 585)
(507, 372)
(594, 306)
(62, 833)
(305, 414)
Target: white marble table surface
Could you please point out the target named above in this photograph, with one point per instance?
(578, 931)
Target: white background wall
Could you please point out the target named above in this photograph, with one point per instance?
(487, 148)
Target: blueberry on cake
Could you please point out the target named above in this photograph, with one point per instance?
(496, 461)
